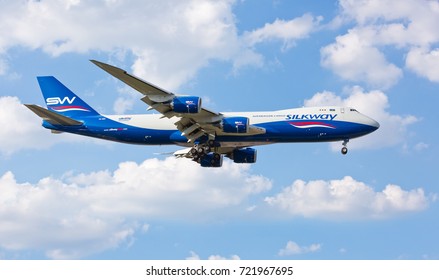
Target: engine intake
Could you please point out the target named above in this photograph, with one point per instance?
(186, 104)
(235, 125)
(247, 155)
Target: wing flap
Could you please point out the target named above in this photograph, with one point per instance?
(52, 117)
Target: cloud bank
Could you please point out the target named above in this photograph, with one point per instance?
(177, 37)
(359, 55)
(346, 199)
(292, 248)
(83, 214)
(21, 129)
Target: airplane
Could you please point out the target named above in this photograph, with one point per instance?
(206, 136)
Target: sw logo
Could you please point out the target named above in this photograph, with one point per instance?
(59, 101)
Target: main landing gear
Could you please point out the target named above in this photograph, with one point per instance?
(200, 150)
(344, 150)
(202, 154)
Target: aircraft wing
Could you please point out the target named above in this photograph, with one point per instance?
(192, 125)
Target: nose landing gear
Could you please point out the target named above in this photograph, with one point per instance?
(344, 150)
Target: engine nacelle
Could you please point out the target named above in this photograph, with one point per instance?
(235, 125)
(186, 104)
(247, 155)
(211, 160)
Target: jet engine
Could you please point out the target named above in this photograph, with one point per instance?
(186, 104)
(212, 160)
(235, 125)
(247, 155)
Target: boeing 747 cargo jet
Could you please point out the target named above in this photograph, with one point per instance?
(207, 136)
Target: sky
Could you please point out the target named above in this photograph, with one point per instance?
(72, 197)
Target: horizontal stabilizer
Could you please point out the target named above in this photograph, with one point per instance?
(52, 117)
(182, 153)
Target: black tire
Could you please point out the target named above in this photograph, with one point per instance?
(211, 143)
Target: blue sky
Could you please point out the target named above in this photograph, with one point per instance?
(71, 197)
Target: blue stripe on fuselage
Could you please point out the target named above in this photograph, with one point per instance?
(279, 131)
(104, 128)
(283, 131)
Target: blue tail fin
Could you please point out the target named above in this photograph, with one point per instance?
(62, 100)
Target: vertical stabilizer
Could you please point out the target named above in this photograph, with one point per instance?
(62, 100)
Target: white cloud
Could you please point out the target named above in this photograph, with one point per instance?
(83, 214)
(165, 37)
(3, 66)
(292, 248)
(407, 23)
(287, 31)
(145, 228)
(424, 63)
(21, 129)
(182, 37)
(409, 26)
(125, 101)
(121, 105)
(418, 18)
(353, 58)
(421, 146)
(78, 215)
(247, 58)
(195, 256)
(219, 257)
(177, 37)
(346, 199)
(375, 104)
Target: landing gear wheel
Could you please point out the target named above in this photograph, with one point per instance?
(211, 143)
(200, 150)
(206, 149)
(344, 150)
(216, 156)
(196, 158)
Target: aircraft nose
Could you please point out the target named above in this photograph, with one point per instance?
(373, 123)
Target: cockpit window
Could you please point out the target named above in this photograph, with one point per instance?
(353, 110)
